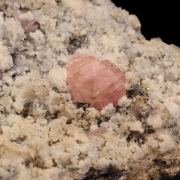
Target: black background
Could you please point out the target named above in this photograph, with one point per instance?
(159, 18)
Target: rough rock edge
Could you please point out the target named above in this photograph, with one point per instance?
(41, 117)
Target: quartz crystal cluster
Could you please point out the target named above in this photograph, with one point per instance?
(59, 118)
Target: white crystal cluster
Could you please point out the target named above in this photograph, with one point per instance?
(44, 134)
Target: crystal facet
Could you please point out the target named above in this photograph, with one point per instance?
(93, 81)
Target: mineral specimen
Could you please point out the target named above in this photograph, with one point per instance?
(93, 81)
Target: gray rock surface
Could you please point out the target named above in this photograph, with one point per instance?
(44, 134)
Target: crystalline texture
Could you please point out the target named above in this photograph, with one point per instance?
(93, 81)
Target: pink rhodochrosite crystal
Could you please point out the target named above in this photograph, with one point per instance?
(93, 81)
(28, 24)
